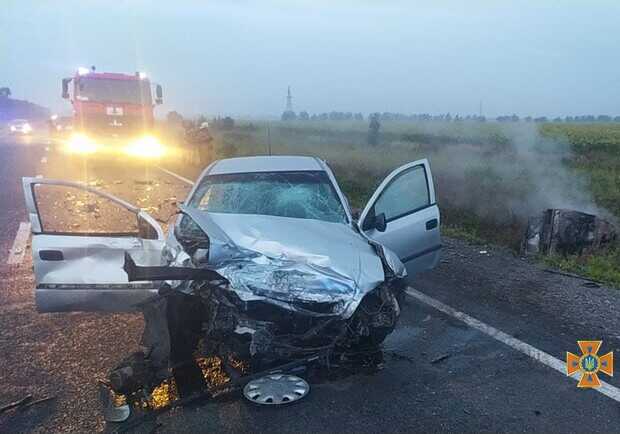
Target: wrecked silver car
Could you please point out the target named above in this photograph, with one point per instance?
(265, 262)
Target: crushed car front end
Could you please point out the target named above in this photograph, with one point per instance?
(244, 294)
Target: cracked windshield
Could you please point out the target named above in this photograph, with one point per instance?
(304, 195)
(309, 216)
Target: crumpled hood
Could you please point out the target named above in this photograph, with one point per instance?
(291, 262)
(324, 245)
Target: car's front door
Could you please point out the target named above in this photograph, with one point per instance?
(79, 239)
(403, 215)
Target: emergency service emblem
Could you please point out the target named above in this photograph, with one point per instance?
(114, 111)
(589, 364)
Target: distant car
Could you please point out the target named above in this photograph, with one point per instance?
(20, 126)
(265, 259)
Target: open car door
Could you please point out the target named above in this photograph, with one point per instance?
(403, 216)
(79, 239)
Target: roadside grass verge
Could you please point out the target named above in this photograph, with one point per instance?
(602, 267)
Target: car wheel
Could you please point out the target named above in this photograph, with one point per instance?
(374, 319)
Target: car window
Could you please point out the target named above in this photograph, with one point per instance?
(302, 194)
(405, 194)
(72, 210)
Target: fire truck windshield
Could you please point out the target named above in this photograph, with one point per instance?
(113, 90)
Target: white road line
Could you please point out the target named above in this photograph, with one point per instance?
(179, 177)
(16, 254)
(536, 354)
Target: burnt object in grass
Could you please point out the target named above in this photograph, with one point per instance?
(566, 232)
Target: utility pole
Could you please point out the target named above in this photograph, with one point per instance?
(269, 139)
(480, 109)
(289, 100)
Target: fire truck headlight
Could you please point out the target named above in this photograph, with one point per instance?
(81, 144)
(145, 147)
(26, 128)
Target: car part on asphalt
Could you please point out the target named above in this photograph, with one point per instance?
(25, 400)
(226, 388)
(593, 283)
(276, 389)
(111, 412)
(24, 403)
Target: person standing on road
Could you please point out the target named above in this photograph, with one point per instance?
(373, 129)
(200, 141)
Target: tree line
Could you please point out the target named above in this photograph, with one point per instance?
(568, 119)
(444, 117)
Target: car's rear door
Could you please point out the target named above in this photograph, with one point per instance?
(79, 239)
(403, 215)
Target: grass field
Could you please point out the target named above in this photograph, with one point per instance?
(489, 177)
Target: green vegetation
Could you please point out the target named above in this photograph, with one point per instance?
(596, 153)
(587, 139)
(489, 177)
(603, 267)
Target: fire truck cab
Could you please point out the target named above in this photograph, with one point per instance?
(112, 112)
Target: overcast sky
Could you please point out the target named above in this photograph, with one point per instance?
(237, 57)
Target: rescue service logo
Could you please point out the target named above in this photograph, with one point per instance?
(589, 364)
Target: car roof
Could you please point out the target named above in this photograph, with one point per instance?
(266, 163)
(18, 121)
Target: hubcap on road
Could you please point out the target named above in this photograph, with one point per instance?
(276, 389)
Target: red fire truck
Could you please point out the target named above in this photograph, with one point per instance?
(113, 113)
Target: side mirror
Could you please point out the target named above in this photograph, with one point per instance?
(65, 87)
(373, 221)
(159, 94)
(190, 236)
(355, 213)
(380, 223)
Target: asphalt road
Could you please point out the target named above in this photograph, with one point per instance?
(439, 372)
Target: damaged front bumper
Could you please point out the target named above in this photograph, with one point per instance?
(208, 319)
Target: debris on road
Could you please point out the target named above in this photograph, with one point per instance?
(402, 357)
(150, 209)
(36, 402)
(440, 358)
(276, 389)
(220, 389)
(25, 403)
(574, 276)
(566, 232)
(112, 412)
(25, 400)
